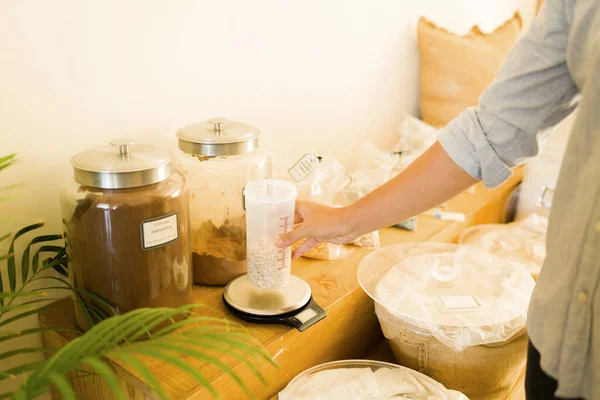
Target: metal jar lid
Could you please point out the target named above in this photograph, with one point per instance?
(123, 164)
(218, 137)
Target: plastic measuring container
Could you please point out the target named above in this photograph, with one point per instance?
(270, 207)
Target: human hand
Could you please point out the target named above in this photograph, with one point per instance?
(318, 223)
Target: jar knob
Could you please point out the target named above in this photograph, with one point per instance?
(123, 145)
(218, 124)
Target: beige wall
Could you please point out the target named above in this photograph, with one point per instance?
(313, 74)
(310, 74)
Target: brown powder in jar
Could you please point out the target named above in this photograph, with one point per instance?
(219, 254)
(105, 247)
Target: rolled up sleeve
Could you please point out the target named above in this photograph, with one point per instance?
(533, 91)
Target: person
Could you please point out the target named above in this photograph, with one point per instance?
(551, 70)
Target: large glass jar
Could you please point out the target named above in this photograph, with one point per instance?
(219, 158)
(126, 227)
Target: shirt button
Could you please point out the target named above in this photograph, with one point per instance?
(583, 296)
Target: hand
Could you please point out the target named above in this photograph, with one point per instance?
(318, 223)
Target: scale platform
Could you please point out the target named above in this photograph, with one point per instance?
(291, 304)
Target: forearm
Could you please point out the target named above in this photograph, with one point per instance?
(429, 181)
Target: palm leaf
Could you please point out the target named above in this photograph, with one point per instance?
(7, 161)
(62, 385)
(105, 372)
(139, 366)
(11, 266)
(6, 336)
(174, 361)
(197, 355)
(26, 254)
(25, 350)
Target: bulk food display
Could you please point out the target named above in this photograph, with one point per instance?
(454, 313)
(522, 242)
(126, 227)
(219, 158)
(365, 380)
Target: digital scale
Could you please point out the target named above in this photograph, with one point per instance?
(291, 304)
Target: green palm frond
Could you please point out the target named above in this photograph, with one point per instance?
(175, 336)
(7, 161)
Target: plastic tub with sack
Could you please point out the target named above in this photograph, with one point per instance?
(365, 380)
(454, 313)
(522, 242)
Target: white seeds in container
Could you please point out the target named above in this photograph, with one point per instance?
(268, 265)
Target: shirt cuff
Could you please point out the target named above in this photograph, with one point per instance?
(465, 142)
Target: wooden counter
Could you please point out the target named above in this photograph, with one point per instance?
(350, 330)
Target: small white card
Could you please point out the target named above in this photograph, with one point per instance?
(460, 302)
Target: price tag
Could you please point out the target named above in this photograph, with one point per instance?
(304, 167)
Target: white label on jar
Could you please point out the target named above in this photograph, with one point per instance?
(159, 231)
(460, 302)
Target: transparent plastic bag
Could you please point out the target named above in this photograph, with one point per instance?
(522, 243)
(365, 379)
(415, 137)
(325, 251)
(368, 241)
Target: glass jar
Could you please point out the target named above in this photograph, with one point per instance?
(219, 157)
(126, 227)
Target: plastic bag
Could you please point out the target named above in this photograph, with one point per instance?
(368, 241)
(415, 137)
(326, 178)
(325, 251)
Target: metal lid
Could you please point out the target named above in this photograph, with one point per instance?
(123, 164)
(245, 297)
(218, 137)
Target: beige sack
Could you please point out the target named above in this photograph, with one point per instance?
(454, 70)
(484, 372)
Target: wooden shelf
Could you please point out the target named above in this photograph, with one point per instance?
(350, 330)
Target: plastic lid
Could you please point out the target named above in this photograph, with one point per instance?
(523, 242)
(123, 164)
(218, 137)
(463, 296)
(364, 379)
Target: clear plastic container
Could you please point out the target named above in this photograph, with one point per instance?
(365, 380)
(219, 157)
(463, 296)
(270, 205)
(454, 313)
(522, 243)
(126, 227)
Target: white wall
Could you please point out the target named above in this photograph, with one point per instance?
(309, 74)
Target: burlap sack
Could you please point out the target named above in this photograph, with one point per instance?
(454, 70)
(486, 372)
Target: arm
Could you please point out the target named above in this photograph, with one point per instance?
(532, 91)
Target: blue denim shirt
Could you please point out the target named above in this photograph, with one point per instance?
(551, 70)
